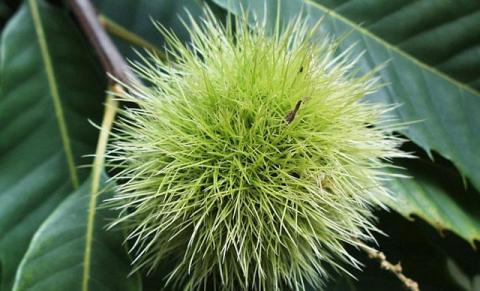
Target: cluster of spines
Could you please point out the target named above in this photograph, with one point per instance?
(214, 174)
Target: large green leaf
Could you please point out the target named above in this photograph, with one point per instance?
(448, 110)
(444, 34)
(55, 259)
(47, 96)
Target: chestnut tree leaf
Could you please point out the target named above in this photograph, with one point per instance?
(50, 87)
(443, 34)
(55, 259)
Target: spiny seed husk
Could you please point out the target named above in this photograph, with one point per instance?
(253, 160)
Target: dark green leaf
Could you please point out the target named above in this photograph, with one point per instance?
(34, 154)
(444, 34)
(55, 258)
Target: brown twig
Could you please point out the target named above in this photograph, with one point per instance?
(386, 265)
(111, 60)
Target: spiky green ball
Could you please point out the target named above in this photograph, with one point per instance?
(252, 161)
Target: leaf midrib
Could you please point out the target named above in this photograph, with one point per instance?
(52, 84)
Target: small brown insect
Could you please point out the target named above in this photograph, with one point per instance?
(291, 115)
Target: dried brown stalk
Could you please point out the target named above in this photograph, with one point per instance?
(396, 269)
